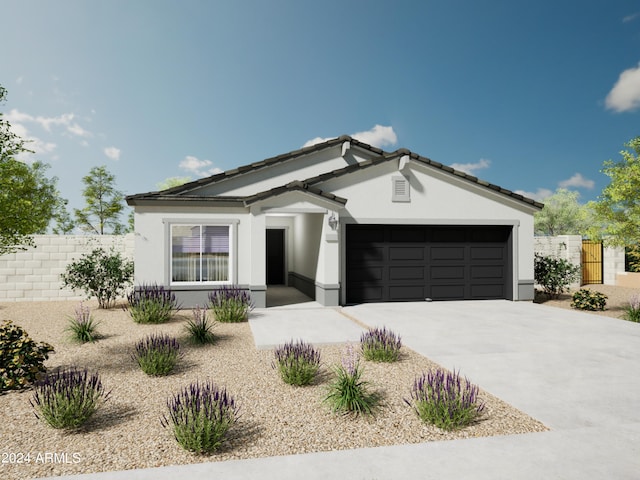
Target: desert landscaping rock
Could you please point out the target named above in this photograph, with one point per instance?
(275, 418)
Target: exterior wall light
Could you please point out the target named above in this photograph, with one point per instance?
(333, 221)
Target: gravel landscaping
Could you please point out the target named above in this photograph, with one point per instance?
(276, 419)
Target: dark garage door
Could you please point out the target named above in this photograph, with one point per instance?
(417, 262)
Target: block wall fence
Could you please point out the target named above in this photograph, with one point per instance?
(34, 274)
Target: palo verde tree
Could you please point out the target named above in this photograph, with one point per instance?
(104, 203)
(28, 198)
(617, 210)
(562, 215)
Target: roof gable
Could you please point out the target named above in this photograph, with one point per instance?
(188, 191)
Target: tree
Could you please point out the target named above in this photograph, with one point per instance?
(617, 210)
(28, 198)
(562, 215)
(104, 203)
(171, 182)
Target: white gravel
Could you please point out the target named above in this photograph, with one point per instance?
(276, 419)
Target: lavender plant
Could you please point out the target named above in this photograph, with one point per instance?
(82, 326)
(199, 327)
(200, 416)
(157, 354)
(152, 304)
(632, 311)
(230, 304)
(67, 398)
(380, 345)
(348, 393)
(445, 400)
(297, 362)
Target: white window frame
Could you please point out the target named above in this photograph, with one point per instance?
(201, 222)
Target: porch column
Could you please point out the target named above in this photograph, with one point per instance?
(258, 282)
(328, 270)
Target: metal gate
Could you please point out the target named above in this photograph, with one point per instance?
(591, 262)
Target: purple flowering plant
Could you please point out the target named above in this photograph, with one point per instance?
(230, 304)
(157, 354)
(632, 311)
(297, 362)
(82, 326)
(445, 400)
(380, 345)
(199, 327)
(349, 393)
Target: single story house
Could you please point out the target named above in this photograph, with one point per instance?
(343, 222)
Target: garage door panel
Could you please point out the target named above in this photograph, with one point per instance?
(366, 255)
(487, 253)
(406, 273)
(406, 253)
(447, 272)
(487, 271)
(406, 292)
(411, 263)
(447, 253)
(367, 274)
(487, 291)
(447, 292)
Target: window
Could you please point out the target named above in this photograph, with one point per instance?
(200, 253)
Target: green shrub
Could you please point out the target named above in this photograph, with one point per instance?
(67, 398)
(199, 327)
(585, 299)
(200, 416)
(380, 345)
(83, 326)
(230, 304)
(445, 400)
(152, 304)
(348, 393)
(157, 354)
(554, 275)
(297, 362)
(104, 275)
(632, 311)
(21, 359)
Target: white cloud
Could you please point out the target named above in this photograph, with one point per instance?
(631, 18)
(625, 94)
(78, 131)
(113, 153)
(578, 181)
(35, 144)
(470, 168)
(379, 136)
(198, 167)
(538, 195)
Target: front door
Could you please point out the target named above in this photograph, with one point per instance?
(275, 256)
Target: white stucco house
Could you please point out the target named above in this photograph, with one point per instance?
(342, 221)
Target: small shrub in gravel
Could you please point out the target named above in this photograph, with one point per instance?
(200, 327)
(445, 400)
(200, 416)
(632, 311)
(554, 275)
(585, 299)
(230, 304)
(157, 354)
(380, 345)
(152, 304)
(297, 362)
(67, 398)
(82, 326)
(21, 358)
(348, 393)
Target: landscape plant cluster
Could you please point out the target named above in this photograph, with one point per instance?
(554, 275)
(199, 415)
(586, 299)
(439, 397)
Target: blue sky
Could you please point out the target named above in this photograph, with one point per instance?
(531, 96)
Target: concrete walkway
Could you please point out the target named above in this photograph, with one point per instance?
(578, 373)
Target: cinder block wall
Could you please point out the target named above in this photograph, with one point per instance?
(34, 274)
(569, 247)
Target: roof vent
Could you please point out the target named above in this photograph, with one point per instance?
(400, 189)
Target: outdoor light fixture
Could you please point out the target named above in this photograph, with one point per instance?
(333, 221)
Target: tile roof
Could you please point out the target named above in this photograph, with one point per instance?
(181, 192)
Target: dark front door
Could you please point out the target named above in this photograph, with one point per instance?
(417, 262)
(275, 257)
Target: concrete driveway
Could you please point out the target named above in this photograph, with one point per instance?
(578, 373)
